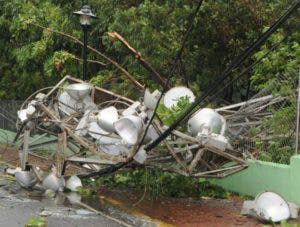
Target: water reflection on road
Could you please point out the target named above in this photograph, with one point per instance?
(18, 206)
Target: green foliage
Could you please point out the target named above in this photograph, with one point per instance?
(103, 78)
(169, 115)
(61, 63)
(85, 191)
(286, 224)
(209, 190)
(36, 222)
(283, 223)
(284, 61)
(275, 151)
(281, 129)
(33, 58)
(282, 64)
(32, 54)
(158, 184)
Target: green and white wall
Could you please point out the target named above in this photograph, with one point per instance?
(266, 176)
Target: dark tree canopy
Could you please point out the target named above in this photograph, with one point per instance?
(32, 57)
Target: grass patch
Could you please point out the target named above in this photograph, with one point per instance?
(36, 222)
(158, 184)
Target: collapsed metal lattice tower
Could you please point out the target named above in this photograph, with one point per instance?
(92, 128)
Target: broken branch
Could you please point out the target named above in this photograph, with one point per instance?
(139, 57)
(90, 61)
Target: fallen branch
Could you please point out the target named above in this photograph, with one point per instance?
(139, 57)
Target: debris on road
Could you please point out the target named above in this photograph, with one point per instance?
(270, 206)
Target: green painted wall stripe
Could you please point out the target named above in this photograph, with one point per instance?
(266, 176)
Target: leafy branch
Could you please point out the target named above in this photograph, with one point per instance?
(126, 73)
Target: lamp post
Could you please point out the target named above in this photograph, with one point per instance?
(85, 15)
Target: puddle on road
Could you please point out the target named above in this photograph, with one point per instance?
(54, 205)
(67, 204)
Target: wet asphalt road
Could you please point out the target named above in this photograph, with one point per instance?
(18, 206)
(16, 211)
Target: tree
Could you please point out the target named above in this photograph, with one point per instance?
(34, 57)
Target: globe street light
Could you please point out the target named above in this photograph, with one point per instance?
(85, 15)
